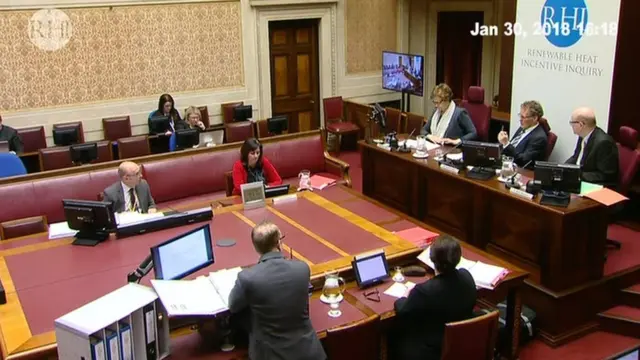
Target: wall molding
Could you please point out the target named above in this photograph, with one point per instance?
(62, 4)
(256, 3)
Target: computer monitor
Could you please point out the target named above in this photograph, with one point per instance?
(84, 153)
(278, 190)
(242, 112)
(557, 181)
(483, 157)
(278, 124)
(186, 139)
(66, 136)
(629, 354)
(159, 124)
(370, 268)
(183, 255)
(93, 220)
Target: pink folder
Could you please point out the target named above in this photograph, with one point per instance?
(418, 236)
(321, 182)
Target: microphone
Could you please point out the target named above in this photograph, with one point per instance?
(404, 146)
(143, 269)
(444, 155)
(511, 179)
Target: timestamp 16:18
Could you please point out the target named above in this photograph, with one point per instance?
(563, 29)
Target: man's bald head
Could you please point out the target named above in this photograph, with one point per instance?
(129, 173)
(265, 237)
(585, 115)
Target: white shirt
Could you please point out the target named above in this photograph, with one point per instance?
(439, 128)
(127, 198)
(524, 135)
(585, 140)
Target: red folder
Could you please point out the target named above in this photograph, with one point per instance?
(418, 236)
(321, 182)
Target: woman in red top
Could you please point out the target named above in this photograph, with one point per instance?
(253, 167)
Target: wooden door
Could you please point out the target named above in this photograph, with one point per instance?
(293, 50)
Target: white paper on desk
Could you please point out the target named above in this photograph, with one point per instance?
(486, 275)
(398, 289)
(189, 297)
(431, 146)
(410, 143)
(60, 230)
(131, 217)
(455, 157)
(425, 257)
(224, 281)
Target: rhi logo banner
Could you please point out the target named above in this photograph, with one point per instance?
(50, 29)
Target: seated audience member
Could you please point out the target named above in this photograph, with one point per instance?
(449, 124)
(193, 117)
(131, 193)
(253, 167)
(529, 143)
(595, 151)
(166, 107)
(270, 301)
(422, 313)
(10, 135)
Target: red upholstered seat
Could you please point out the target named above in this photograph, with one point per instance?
(628, 157)
(333, 119)
(115, 128)
(105, 151)
(23, 227)
(57, 157)
(394, 120)
(33, 138)
(552, 138)
(357, 340)
(472, 339)
(263, 130)
(414, 123)
(239, 131)
(479, 112)
(227, 111)
(342, 127)
(133, 146)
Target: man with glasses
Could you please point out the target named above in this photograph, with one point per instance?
(596, 152)
(529, 143)
(131, 193)
(449, 124)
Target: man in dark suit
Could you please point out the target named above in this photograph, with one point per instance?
(529, 143)
(131, 193)
(11, 136)
(424, 310)
(595, 151)
(275, 293)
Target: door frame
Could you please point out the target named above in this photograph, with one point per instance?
(326, 56)
(488, 43)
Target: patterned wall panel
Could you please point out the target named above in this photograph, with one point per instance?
(371, 27)
(122, 52)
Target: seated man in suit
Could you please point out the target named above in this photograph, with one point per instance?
(529, 143)
(131, 193)
(449, 124)
(424, 310)
(11, 136)
(595, 151)
(274, 294)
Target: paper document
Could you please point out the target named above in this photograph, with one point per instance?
(398, 289)
(224, 281)
(320, 182)
(130, 217)
(431, 146)
(60, 230)
(189, 297)
(606, 197)
(418, 236)
(587, 187)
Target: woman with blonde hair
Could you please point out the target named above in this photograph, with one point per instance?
(193, 117)
(449, 124)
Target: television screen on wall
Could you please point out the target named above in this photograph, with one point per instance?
(403, 72)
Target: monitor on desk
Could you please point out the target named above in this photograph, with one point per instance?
(65, 136)
(242, 112)
(557, 181)
(277, 190)
(93, 220)
(370, 268)
(187, 139)
(183, 255)
(159, 124)
(483, 157)
(84, 153)
(278, 124)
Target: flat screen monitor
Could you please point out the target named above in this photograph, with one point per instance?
(242, 112)
(183, 255)
(65, 136)
(188, 138)
(159, 124)
(278, 124)
(629, 354)
(370, 268)
(278, 190)
(557, 177)
(84, 153)
(403, 72)
(93, 220)
(481, 154)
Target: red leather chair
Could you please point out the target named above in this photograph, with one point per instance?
(552, 138)
(357, 340)
(227, 111)
(23, 227)
(263, 130)
(115, 128)
(105, 151)
(57, 157)
(472, 339)
(33, 138)
(479, 112)
(414, 122)
(239, 131)
(228, 183)
(333, 122)
(74, 124)
(394, 120)
(133, 146)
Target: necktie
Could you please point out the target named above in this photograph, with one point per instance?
(132, 200)
(516, 139)
(581, 155)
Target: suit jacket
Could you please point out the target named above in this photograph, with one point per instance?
(460, 126)
(600, 159)
(276, 292)
(11, 136)
(422, 315)
(115, 194)
(532, 148)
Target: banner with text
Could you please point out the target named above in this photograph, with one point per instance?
(564, 56)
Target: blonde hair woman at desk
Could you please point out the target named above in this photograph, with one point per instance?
(449, 124)
(193, 117)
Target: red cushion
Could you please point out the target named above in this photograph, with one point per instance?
(192, 199)
(628, 157)
(291, 156)
(51, 191)
(551, 143)
(333, 108)
(628, 137)
(342, 127)
(101, 179)
(475, 95)
(18, 201)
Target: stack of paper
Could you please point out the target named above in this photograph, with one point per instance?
(485, 275)
(418, 236)
(320, 182)
(224, 281)
(131, 217)
(399, 289)
(60, 230)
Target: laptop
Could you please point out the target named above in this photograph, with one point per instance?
(4, 146)
(211, 138)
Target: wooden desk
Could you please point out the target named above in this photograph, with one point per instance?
(45, 279)
(561, 247)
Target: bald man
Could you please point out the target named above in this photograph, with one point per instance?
(595, 151)
(131, 193)
(274, 295)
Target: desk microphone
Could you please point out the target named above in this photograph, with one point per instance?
(444, 155)
(143, 269)
(404, 148)
(511, 179)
